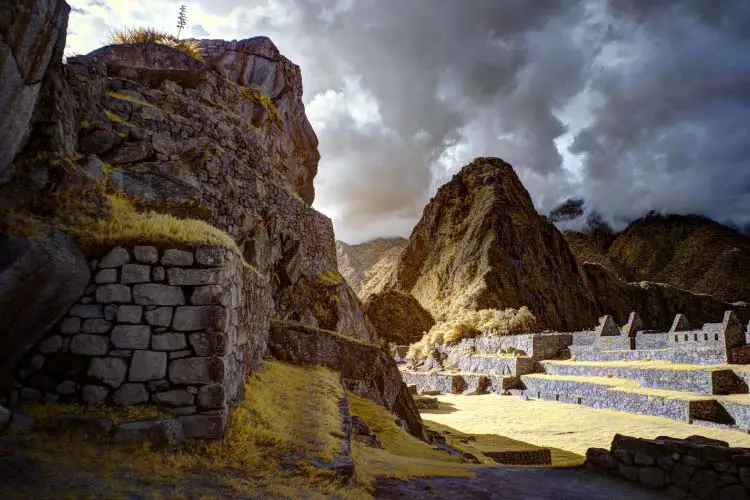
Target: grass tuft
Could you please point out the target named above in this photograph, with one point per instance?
(141, 34)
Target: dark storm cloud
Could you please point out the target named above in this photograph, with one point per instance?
(652, 97)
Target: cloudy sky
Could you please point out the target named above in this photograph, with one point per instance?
(634, 105)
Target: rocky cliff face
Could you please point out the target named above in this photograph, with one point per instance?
(688, 252)
(141, 144)
(367, 267)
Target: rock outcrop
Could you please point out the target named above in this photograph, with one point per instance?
(368, 266)
(32, 39)
(689, 252)
(366, 369)
(398, 317)
(40, 279)
(141, 145)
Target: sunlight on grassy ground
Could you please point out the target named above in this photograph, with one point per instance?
(568, 427)
(404, 455)
(288, 417)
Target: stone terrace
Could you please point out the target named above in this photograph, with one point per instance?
(690, 374)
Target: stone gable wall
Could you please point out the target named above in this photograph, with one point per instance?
(178, 329)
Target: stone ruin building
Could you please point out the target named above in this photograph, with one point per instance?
(692, 374)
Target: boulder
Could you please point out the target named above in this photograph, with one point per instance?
(32, 38)
(40, 279)
(156, 432)
(398, 317)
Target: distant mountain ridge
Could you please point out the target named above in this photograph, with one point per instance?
(367, 266)
(687, 251)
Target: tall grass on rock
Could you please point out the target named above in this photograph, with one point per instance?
(463, 323)
(140, 34)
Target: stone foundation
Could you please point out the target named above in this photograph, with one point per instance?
(684, 468)
(174, 329)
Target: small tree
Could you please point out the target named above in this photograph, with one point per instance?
(181, 20)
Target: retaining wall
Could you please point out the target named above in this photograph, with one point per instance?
(175, 329)
(694, 467)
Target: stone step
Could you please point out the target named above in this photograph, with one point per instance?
(735, 411)
(694, 378)
(704, 355)
(493, 364)
(459, 383)
(620, 394)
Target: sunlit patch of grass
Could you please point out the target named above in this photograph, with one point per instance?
(560, 426)
(114, 118)
(403, 455)
(46, 412)
(129, 98)
(288, 417)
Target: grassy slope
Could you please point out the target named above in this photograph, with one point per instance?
(288, 417)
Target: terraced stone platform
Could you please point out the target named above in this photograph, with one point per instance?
(709, 395)
(460, 383)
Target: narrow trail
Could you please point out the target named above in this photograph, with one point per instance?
(509, 483)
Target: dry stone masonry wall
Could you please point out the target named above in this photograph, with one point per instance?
(167, 328)
(695, 467)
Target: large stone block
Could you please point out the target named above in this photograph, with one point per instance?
(116, 257)
(94, 394)
(40, 279)
(69, 326)
(129, 314)
(135, 273)
(168, 342)
(178, 397)
(148, 365)
(155, 432)
(174, 257)
(212, 396)
(210, 294)
(209, 344)
(146, 254)
(96, 325)
(131, 336)
(204, 426)
(89, 345)
(87, 311)
(52, 344)
(190, 371)
(130, 394)
(105, 276)
(211, 256)
(192, 318)
(193, 277)
(111, 371)
(154, 294)
(113, 293)
(161, 316)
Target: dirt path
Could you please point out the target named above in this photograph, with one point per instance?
(507, 483)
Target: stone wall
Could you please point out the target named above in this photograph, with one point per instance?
(534, 345)
(178, 329)
(695, 467)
